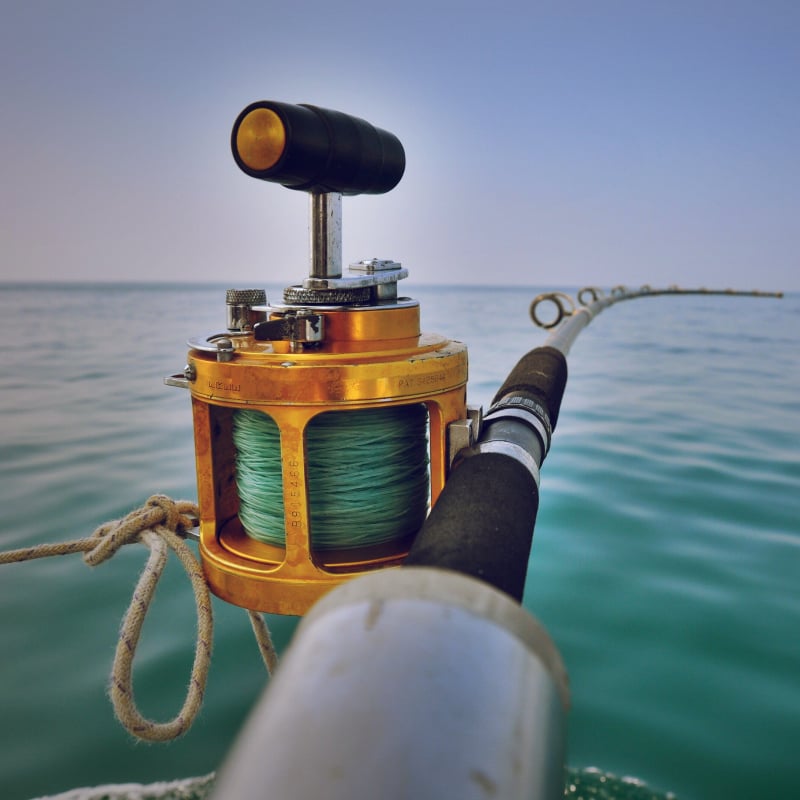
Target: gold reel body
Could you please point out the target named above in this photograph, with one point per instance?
(370, 357)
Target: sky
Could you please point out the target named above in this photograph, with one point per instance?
(547, 143)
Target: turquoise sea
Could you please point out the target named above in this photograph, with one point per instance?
(665, 563)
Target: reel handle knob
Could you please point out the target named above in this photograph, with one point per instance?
(316, 150)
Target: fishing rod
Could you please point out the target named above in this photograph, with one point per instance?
(569, 319)
(342, 476)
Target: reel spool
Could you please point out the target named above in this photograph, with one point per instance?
(317, 416)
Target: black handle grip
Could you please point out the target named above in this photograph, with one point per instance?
(540, 375)
(482, 523)
(316, 149)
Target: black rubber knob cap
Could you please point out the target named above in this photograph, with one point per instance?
(316, 149)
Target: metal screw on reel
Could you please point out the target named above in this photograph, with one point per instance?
(559, 299)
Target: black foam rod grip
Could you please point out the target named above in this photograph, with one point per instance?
(316, 149)
(540, 375)
(482, 523)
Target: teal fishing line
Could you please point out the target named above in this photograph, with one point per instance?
(256, 438)
(368, 480)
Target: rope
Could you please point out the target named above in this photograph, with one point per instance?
(264, 639)
(160, 525)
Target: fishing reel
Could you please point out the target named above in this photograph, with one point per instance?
(325, 424)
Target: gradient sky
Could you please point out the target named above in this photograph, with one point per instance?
(564, 143)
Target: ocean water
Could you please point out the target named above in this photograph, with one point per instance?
(665, 564)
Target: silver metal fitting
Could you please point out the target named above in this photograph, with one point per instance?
(511, 449)
(224, 347)
(463, 433)
(299, 326)
(239, 305)
(526, 410)
(182, 381)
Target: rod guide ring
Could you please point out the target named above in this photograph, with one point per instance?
(565, 307)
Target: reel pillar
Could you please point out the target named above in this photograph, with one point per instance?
(318, 415)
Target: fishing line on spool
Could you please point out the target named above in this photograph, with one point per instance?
(368, 481)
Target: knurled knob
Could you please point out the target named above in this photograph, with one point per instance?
(246, 297)
(239, 305)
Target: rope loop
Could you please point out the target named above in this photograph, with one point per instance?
(161, 525)
(160, 539)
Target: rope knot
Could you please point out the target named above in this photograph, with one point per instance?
(158, 511)
(179, 515)
(168, 507)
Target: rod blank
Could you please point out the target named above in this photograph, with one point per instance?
(571, 320)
